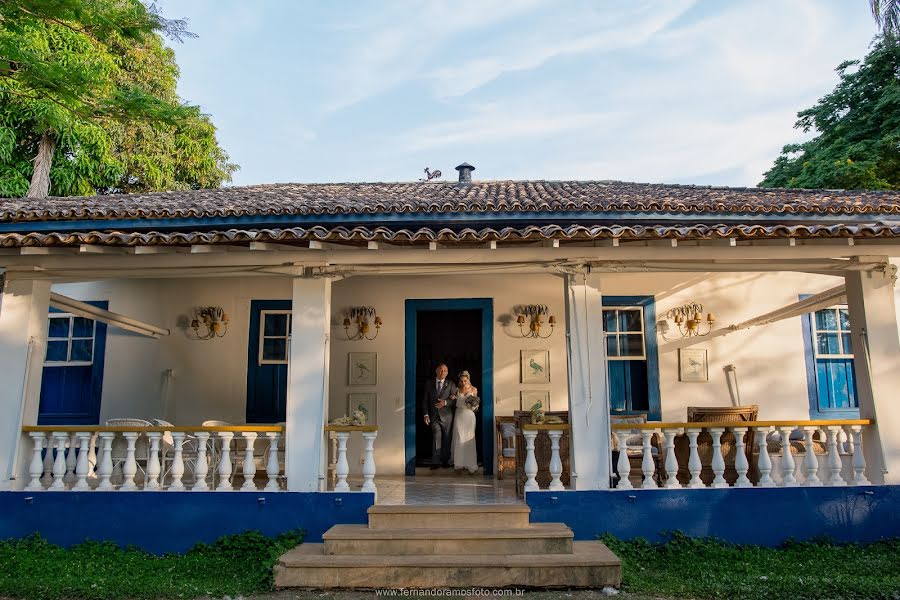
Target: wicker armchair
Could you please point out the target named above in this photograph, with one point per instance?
(705, 414)
(541, 452)
(505, 430)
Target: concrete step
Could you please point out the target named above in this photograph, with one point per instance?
(538, 538)
(591, 564)
(461, 516)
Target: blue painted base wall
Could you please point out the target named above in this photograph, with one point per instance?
(744, 516)
(161, 522)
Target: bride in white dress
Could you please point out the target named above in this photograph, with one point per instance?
(463, 445)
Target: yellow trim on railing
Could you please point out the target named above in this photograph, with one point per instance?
(185, 429)
(750, 424)
(351, 428)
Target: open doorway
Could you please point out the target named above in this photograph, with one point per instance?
(458, 333)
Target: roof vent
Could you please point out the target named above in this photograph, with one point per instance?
(465, 172)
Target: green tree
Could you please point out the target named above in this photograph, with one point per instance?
(87, 97)
(857, 145)
(887, 15)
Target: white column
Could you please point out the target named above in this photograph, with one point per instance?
(307, 390)
(588, 399)
(36, 466)
(555, 462)
(740, 457)
(368, 470)
(810, 463)
(648, 466)
(224, 469)
(859, 459)
(47, 479)
(272, 466)
(105, 468)
(531, 466)
(694, 464)
(249, 462)
(671, 459)
(59, 464)
(623, 465)
(718, 461)
(153, 466)
(834, 458)
(129, 469)
(876, 360)
(788, 465)
(71, 457)
(92, 457)
(343, 467)
(764, 460)
(81, 465)
(177, 469)
(23, 341)
(201, 467)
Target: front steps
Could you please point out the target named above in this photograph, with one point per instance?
(448, 547)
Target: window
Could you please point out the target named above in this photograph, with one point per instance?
(830, 362)
(274, 337)
(70, 340)
(624, 330)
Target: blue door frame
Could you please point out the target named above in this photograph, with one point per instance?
(651, 348)
(486, 306)
(266, 384)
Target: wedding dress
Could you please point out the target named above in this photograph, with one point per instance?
(463, 446)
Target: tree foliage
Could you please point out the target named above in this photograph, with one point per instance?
(88, 102)
(887, 15)
(857, 145)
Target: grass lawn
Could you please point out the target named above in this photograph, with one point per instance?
(689, 568)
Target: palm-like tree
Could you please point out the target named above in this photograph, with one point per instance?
(887, 15)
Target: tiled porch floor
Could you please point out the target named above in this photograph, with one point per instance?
(443, 489)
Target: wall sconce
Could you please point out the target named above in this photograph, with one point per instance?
(213, 319)
(359, 316)
(534, 315)
(688, 319)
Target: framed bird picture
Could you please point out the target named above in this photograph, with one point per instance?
(362, 368)
(693, 365)
(528, 398)
(535, 366)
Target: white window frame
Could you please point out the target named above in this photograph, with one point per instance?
(617, 334)
(816, 331)
(70, 363)
(263, 337)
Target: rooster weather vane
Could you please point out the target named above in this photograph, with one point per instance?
(429, 174)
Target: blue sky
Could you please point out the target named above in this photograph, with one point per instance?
(678, 91)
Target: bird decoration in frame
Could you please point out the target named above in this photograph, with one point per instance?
(535, 366)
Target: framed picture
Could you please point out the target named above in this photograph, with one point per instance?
(362, 368)
(368, 400)
(693, 365)
(535, 366)
(528, 398)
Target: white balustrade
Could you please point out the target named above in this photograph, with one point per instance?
(153, 466)
(342, 469)
(129, 468)
(81, 465)
(843, 462)
(177, 469)
(368, 470)
(249, 470)
(272, 466)
(225, 468)
(59, 464)
(36, 466)
(106, 466)
(201, 467)
(47, 477)
(555, 462)
(555, 431)
(531, 466)
(71, 459)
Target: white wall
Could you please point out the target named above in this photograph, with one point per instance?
(210, 376)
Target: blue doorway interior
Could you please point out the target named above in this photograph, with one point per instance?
(418, 368)
(267, 360)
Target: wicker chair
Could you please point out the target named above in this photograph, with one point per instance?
(505, 430)
(541, 452)
(634, 444)
(705, 414)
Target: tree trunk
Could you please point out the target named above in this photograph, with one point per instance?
(40, 179)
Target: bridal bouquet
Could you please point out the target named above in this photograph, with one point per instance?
(472, 402)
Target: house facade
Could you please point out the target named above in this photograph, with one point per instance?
(228, 327)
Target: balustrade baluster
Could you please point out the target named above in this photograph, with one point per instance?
(36, 466)
(59, 464)
(648, 466)
(272, 466)
(741, 466)
(81, 464)
(555, 462)
(71, 458)
(201, 467)
(92, 456)
(623, 466)
(177, 468)
(764, 463)
(342, 469)
(249, 461)
(718, 461)
(368, 470)
(105, 468)
(531, 466)
(810, 463)
(834, 458)
(859, 459)
(224, 469)
(788, 465)
(694, 464)
(47, 478)
(671, 460)
(129, 469)
(153, 467)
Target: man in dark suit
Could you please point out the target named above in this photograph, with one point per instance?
(438, 406)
